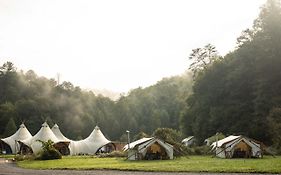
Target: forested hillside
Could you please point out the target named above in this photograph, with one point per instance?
(27, 97)
(241, 93)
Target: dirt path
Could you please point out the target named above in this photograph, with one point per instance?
(10, 168)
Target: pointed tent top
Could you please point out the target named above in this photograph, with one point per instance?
(97, 135)
(45, 124)
(22, 125)
(91, 144)
(55, 126)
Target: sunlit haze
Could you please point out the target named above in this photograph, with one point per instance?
(117, 45)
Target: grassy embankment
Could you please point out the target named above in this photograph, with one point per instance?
(183, 164)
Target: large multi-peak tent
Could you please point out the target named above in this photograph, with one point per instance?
(238, 147)
(10, 144)
(33, 145)
(149, 149)
(22, 141)
(95, 142)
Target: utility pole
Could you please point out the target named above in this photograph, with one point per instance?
(128, 137)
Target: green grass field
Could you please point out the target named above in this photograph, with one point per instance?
(183, 164)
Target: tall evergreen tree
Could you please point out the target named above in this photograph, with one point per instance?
(11, 128)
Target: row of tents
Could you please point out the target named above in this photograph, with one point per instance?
(146, 148)
(23, 142)
(232, 146)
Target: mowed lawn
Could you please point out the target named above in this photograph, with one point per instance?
(184, 164)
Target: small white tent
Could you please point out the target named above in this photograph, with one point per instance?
(237, 147)
(12, 141)
(44, 134)
(149, 149)
(90, 145)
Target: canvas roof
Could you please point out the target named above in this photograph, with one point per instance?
(44, 134)
(137, 142)
(225, 140)
(166, 145)
(58, 133)
(90, 145)
(187, 139)
(21, 134)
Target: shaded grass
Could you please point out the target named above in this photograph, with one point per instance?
(183, 164)
(7, 156)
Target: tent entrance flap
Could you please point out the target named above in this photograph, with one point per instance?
(5, 148)
(62, 147)
(242, 150)
(155, 152)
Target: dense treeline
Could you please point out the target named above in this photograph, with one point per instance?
(33, 99)
(241, 93)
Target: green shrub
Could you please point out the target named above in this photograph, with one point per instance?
(49, 155)
(20, 157)
(48, 151)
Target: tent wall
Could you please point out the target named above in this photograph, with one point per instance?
(133, 155)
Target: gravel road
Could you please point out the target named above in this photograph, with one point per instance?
(10, 168)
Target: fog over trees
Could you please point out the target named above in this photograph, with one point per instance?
(239, 93)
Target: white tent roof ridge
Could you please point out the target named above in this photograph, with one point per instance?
(21, 134)
(153, 140)
(137, 142)
(187, 139)
(225, 140)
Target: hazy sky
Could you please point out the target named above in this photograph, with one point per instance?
(117, 44)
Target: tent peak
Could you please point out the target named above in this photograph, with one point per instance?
(56, 126)
(22, 125)
(45, 124)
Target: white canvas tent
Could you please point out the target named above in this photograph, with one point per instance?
(148, 149)
(90, 145)
(12, 141)
(44, 134)
(237, 146)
